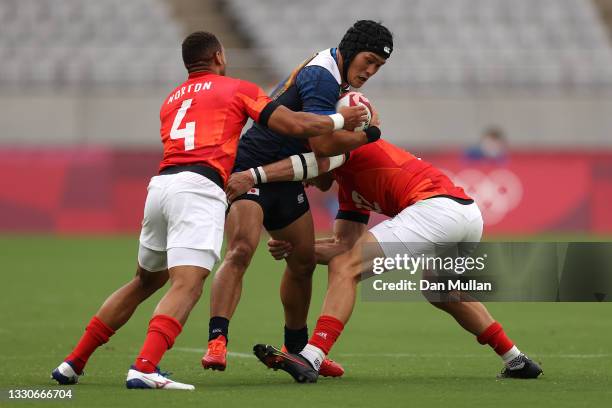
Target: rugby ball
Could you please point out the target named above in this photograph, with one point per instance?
(354, 99)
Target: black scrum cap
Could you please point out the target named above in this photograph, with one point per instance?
(365, 35)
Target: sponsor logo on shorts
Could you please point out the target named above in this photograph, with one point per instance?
(254, 191)
(300, 198)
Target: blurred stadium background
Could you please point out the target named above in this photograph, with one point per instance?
(512, 98)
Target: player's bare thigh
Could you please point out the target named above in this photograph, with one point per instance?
(243, 227)
(148, 279)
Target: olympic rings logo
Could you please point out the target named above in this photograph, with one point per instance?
(496, 193)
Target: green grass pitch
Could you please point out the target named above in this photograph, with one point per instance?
(395, 354)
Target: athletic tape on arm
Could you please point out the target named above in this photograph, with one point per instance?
(305, 166)
(336, 161)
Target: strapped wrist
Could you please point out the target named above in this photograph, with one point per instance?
(338, 120)
(372, 133)
(254, 175)
(259, 175)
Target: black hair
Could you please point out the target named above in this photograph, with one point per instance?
(199, 49)
(365, 35)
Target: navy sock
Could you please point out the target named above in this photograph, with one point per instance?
(296, 340)
(218, 326)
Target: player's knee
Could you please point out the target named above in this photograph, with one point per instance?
(191, 288)
(150, 281)
(438, 304)
(303, 266)
(447, 301)
(189, 282)
(240, 254)
(196, 291)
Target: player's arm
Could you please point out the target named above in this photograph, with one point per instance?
(346, 233)
(303, 124)
(298, 167)
(351, 222)
(253, 101)
(342, 141)
(323, 181)
(318, 91)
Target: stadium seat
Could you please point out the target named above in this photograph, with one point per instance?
(495, 42)
(94, 42)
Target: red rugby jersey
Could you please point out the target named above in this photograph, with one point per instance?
(382, 177)
(202, 118)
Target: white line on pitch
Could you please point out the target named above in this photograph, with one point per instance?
(405, 355)
(430, 355)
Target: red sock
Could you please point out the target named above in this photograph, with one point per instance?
(495, 337)
(96, 334)
(326, 333)
(163, 329)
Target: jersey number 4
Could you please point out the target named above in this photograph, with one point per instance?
(188, 132)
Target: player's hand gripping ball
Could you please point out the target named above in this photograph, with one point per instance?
(354, 99)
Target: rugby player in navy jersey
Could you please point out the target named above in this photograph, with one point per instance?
(282, 208)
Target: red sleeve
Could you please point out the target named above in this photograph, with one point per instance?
(255, 102)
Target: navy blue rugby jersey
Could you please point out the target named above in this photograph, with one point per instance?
(314, 86)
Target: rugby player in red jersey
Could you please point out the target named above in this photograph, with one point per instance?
(427, 212)
(182, 228)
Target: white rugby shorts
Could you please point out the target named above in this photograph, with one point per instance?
(430, 227)
(183, 222)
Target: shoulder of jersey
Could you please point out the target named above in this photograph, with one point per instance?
(230, 79)
(228, 82)
(325, 60)
(221, 78)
